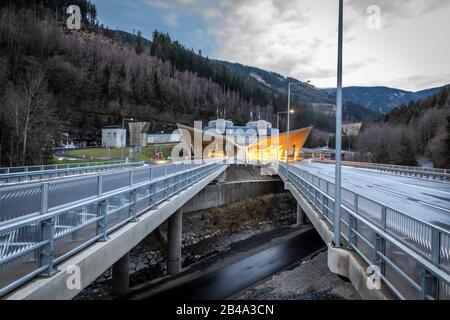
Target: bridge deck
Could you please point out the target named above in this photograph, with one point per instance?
(426, 200)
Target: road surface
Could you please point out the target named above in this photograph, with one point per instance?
(425, 199)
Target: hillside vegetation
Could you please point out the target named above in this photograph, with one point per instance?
(55, 81)
(418, 129)
(267, 90)
(383, 99)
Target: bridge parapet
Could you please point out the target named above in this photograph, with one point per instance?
(70, 215)
(412, 256)
(434, 173)
(30, 173)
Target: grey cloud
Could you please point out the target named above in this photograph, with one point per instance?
(394, 11)
(419, 82)
(355, 66)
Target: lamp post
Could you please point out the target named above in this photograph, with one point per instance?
(123, 128)
(289, 119)
(337, 192)
(278, 126)
(278, 117)
(157, 144)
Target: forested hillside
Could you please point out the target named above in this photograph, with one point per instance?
(54, 81)
(266, 89)
(417, 129)
(383, 99)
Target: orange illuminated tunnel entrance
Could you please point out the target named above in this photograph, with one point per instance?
(282, 147)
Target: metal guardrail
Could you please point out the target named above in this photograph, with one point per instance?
(20, 174)
(70, 215)
(413, 256)
(440, 174)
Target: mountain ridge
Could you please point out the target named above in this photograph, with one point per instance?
(382, 99)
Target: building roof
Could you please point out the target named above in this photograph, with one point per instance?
(112, 126)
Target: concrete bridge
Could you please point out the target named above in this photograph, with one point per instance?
(54, 230)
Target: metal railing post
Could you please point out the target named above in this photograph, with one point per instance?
(46, 257)
(100, 185)
(102, 214)
(151, 195)
(429, 285)
(383, 217)
(102, 211)
(351, 235)
(133, 211)
(378, 247)
(47, 250)
(435, 246)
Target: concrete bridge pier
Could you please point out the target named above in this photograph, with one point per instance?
(301, 216)
(121, 277)
(174, 238)
(222, 178)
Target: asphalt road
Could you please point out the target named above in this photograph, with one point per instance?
(424, 199)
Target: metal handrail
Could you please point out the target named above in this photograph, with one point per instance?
(432, 259)
(42, 239)
(6, 170)
(442, 174)
(20, 174)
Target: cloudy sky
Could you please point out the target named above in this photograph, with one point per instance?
(407, 48)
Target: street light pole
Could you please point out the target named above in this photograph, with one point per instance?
(157, 143)
(288, 122)
(337, 192)
(289, 119)
(278, 126)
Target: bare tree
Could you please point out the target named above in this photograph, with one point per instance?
(26, 107)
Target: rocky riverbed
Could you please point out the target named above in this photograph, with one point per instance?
(205, 233)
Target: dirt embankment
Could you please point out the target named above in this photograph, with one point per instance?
(276, 209)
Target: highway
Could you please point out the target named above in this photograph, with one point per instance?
(425, 199)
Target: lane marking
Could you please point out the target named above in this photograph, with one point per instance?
(390, 192)
(433, 206)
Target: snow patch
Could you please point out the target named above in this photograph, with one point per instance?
(260, 79)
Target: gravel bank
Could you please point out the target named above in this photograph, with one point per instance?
(311, 280)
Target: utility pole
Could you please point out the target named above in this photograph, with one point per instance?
(337, 192)
(289, 112)
(288, 124)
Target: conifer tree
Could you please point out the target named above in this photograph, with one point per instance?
(407, 157)
(382, 153)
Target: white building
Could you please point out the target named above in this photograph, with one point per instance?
(352, 129)
(113, 137)
(242, 135)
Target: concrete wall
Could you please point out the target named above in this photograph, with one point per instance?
(219, 194)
